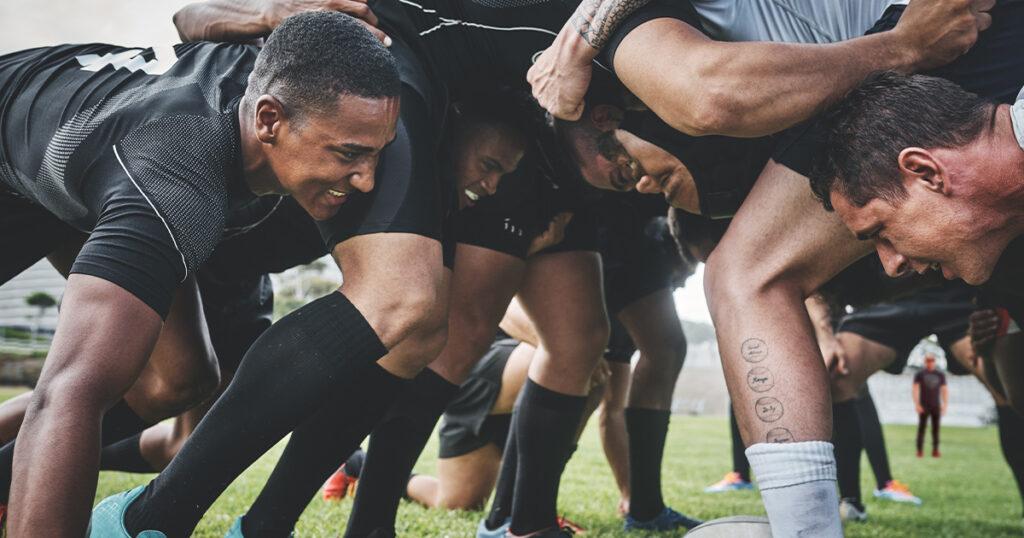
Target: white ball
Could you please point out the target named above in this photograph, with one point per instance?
(733, 527)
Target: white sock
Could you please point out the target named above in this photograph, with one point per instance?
(798, 487)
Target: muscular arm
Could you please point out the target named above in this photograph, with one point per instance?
(244, 20)
(700, 86)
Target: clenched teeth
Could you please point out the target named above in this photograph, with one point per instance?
(336, 193)
(471, 195)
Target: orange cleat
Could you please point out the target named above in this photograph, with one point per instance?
(339, 485)
(565, 523)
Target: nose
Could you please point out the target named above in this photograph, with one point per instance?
(490, 183)
(895, 264)
(362, 179)
(647, 185)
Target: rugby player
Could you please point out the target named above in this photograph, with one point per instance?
(148, 152)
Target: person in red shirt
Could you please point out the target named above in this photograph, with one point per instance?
(928, 383)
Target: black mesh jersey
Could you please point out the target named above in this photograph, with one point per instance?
(474, 42)
(100, 135)
(78, 122)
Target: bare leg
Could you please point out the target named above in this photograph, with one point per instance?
(780, 247)
(612, 419)
(864, 357)
(552, 402)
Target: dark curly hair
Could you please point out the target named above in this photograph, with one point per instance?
(312, 58)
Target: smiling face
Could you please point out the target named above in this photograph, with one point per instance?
(615, 159)
(485, 153)
(322, 159)
(659, 172)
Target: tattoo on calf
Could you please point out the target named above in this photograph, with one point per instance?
(754, 350)
(779, 435)
(760, 379)
(768, 409)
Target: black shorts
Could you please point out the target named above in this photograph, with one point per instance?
(993, 69)
(521, 210)
(634, 265)
(28, 233)
(620, 345)
(467, 423)
(902, 323)
(130, 246)
(237, 312)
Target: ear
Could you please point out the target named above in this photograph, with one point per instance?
(606, 117)
(921, 167)
(269, 119)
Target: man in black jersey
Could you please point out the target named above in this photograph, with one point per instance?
(148, 151)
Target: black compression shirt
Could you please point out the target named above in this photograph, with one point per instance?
(80, 122)
(474, 42)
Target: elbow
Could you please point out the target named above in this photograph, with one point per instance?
(707, 111)
(184, 22)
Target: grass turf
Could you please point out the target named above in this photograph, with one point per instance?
(968, 492)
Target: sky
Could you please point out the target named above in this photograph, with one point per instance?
(690, 302)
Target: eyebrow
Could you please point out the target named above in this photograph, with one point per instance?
(489, 161)
(865, 236)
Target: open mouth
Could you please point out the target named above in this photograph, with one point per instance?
(471, 195)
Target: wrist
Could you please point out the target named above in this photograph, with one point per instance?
(900, 51)
(572, 47)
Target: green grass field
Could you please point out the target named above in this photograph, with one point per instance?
(968, 492)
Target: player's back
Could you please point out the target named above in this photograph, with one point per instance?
(63, 107)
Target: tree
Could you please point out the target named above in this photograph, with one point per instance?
(41, 300)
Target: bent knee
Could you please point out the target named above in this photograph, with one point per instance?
(589, 337)
(173, 397)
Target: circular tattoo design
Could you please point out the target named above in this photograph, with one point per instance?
(753, 350)
(760, 379)
(779, 435)
(768, 409)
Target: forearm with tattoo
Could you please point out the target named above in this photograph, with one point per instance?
(596, 20)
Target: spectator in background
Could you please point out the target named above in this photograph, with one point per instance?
(928, 383)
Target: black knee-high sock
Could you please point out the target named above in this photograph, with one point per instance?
(740, 464)
(126, 456)
(545, 428)
(501, 507)
(395, 445)
(315, 451)
(647, 429)
(872, 438)
(119, 422)
(846, 434)
(323, 348)
(1011, 440)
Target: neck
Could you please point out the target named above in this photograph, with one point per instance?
(258, 175)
